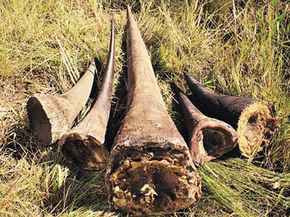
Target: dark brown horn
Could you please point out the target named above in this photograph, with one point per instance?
(84, 144)
(150, 169)
(51, 116)
(209, 138)
(253, 120)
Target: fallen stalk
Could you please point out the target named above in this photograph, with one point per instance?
(149, 169)
(51, 116)
(253, 120)
(209, 138)
(84, 144)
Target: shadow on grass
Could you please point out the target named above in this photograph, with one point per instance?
(73, 189)
(20, 142)
(178, 113)
(70, 189)
(86, 189)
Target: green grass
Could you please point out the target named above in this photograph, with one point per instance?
(46, 45)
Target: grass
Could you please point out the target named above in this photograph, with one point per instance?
(240, 49)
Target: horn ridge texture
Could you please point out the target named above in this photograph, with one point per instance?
(84, 144)
(253, 120)
(209, 138)
(150, 169)
(51, 116)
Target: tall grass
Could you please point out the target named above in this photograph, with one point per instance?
(233, 47)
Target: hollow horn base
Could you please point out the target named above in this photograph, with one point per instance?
(85, 151)
(211, 139)
(49, 117)
(255, 128)
(152, 178)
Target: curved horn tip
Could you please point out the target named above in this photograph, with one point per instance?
(129, 13)
(112, 21)
(176, 88)
(185, 73)
(173, 85)
(112, 28)
(187, 76)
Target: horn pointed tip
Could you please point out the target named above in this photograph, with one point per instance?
(176, 87)
(188, 77)
(185, 74)
(128, 10)
(173, 84)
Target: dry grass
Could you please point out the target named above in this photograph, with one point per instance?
(46, 45)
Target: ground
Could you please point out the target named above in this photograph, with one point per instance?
(233, 47)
